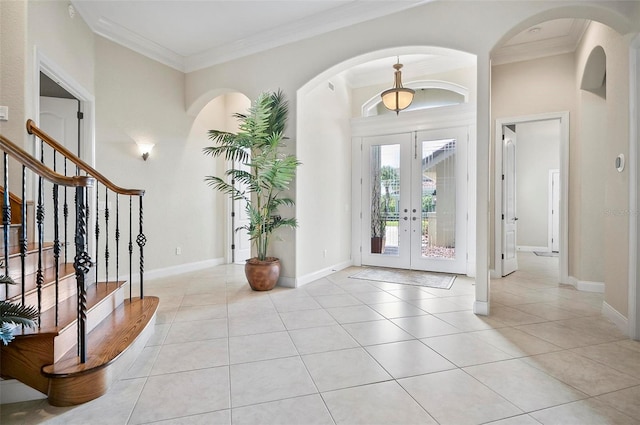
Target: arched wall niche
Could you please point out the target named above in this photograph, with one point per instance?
(594, 73)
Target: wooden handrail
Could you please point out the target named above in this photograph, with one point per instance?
(33, 129)
(40, 169)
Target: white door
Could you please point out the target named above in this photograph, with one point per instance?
(59, 119)
(509, 215)
(240, 243)
(414, 201)
(555, 210)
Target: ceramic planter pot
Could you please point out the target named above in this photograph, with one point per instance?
(262, 275)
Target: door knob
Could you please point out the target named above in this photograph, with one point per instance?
(515, 218)
(405, 218)
(414, 218)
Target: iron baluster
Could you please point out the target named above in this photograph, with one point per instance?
(97, 230)
(81, 264)
(117, 237)
(23, 234)
(56, 242)
(106, 233)
(65, 212)
(40, 223)
(130, 246)
(141, 240)
(6, 221)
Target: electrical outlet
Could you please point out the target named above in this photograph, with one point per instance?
(178, 250)
(324, 253)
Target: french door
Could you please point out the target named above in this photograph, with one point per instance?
(414, 188)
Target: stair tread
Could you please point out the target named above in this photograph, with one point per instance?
(14, 251)
(49, 277)
(68, 310)
(109, 339)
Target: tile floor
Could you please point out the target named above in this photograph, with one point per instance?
(348, 351)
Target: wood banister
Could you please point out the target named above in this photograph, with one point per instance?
(37, 167)
(33, 129)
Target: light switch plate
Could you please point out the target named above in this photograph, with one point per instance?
(4, 113)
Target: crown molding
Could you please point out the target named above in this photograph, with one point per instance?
(330, 20)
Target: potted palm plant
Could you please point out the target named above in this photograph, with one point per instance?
(12, 315)
(261, 184)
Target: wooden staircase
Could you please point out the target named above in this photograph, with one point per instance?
(85, 338)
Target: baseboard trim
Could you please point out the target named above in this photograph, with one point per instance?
(179, 269)
(533, 248)
(308, 278)
(585, 285)
(616, 317)
(481, 308)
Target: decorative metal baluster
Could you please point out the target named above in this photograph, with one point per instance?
(23, 235)
(65, 212)
(56, 240)
(40, 222)
(141, 240)
(6, 220)
(130, 246)
(117, 237)
(106, 234)
(81, 264)
(97, 228)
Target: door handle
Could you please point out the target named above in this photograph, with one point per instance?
(414, 218)
(405, 218)
(515, 218)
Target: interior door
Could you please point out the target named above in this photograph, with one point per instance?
(240, 245)
(509, 214)
(555, 210)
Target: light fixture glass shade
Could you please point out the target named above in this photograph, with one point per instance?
(145, 149)
(398, 97)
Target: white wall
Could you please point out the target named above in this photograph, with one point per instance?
(139, 99)
(324, 179)
(537, 152)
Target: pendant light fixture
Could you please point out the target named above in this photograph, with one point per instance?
(398, 97)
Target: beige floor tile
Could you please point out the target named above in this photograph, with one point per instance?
(376, 332)
(337, 300)
(159, 334)
(410, 293)
(289, 304)
(425, 326)
(323, 287)
(356, 285)
(448, 395)
(523, 385)
(408, 358)
(318, 340)
(269, 380)
(251, 325)
(334, 370)
(307, 319)
(516, 420)
(465, 350)
(394, 310)
(200, 312)
(630, 344)
(354, 313)
(584, 412)
(191, 356)
(514, 317)
(559, 335)
(468, 321)
(378, 297)
(516, 342)
(251, 348)
(219, 297)
(182, 394)
(546, 311)
(597, 327)
(615, 356)
(586, 375)
(626, 401)
(221, 417)
(256, 305)
(382, 403)
(437, 305)
(196, 331)
(142, 366)
(307, 410)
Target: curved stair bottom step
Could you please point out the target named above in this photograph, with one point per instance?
(114, 346)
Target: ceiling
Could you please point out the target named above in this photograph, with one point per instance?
(193, 34)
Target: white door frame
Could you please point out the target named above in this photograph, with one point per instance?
(634, 186)
(564, 188)
(552, 191)
(463, 115)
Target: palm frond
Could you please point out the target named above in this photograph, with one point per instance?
(16, 314)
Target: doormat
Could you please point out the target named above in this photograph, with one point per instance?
(406, 277)
(546, 254)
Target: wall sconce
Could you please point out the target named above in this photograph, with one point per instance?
(145, 149)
